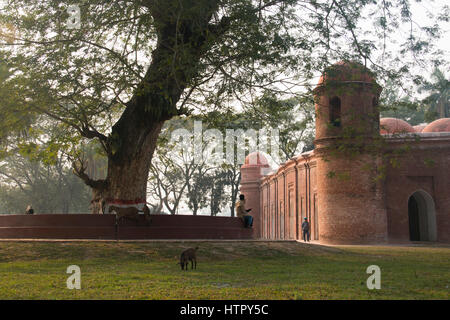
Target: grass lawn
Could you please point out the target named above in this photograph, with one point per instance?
(225, 270)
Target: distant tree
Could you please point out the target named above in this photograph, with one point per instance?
(51, 188)
(217, 186)
(435, 105)
(198, 188)
(175, 173)
(392, 105)
(168, 181)
(232, 178)
(229, 172)
(293, 117)
(438, 101)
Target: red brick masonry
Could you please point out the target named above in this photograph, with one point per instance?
(91, 226)
(351, 208)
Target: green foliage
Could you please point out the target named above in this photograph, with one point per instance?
(293, 117)
(394, 106)
(218, 199)
(15, 120)
(435, 105)
(429, 163)
(49, 188)
(199, 189)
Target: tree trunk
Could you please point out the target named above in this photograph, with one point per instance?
(441, 104)
(234, 191)
(127, 178)
(194, 208)
(128, 170)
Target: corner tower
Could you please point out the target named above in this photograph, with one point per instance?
(350, 197)
(251, 174)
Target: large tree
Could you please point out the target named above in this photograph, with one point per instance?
(129, 66)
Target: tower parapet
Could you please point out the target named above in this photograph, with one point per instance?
(346, 101)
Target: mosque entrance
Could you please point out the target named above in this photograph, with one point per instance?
(422, 217)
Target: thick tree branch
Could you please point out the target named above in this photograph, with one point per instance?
(79, 169)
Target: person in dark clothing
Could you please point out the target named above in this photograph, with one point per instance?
(305, 229)
(29, 210)
(243, 213)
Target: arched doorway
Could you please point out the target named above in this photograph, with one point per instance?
(421, 217)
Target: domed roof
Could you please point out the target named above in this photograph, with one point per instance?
(419, 127)
(393, 125)
(255, 159)
(439, 125)
(347, 71)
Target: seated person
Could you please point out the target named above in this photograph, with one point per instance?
(29, 210)
(243, 213)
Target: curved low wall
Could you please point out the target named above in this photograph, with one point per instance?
(91, 226)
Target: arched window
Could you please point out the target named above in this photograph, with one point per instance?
(335, 111)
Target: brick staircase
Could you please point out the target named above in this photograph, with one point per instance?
(90, 226)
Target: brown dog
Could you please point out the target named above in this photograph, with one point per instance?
(188, 255)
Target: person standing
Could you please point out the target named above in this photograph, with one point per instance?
(242, 212)
(305, 229)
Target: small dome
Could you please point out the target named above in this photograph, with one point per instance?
(255, 159)
(347, 71)
(419, 127)
(393, 125)
(439, 125)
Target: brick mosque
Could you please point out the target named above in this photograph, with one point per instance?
(368, 180)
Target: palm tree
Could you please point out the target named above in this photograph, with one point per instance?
(438, 101)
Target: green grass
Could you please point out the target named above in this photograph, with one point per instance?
(226, 270)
